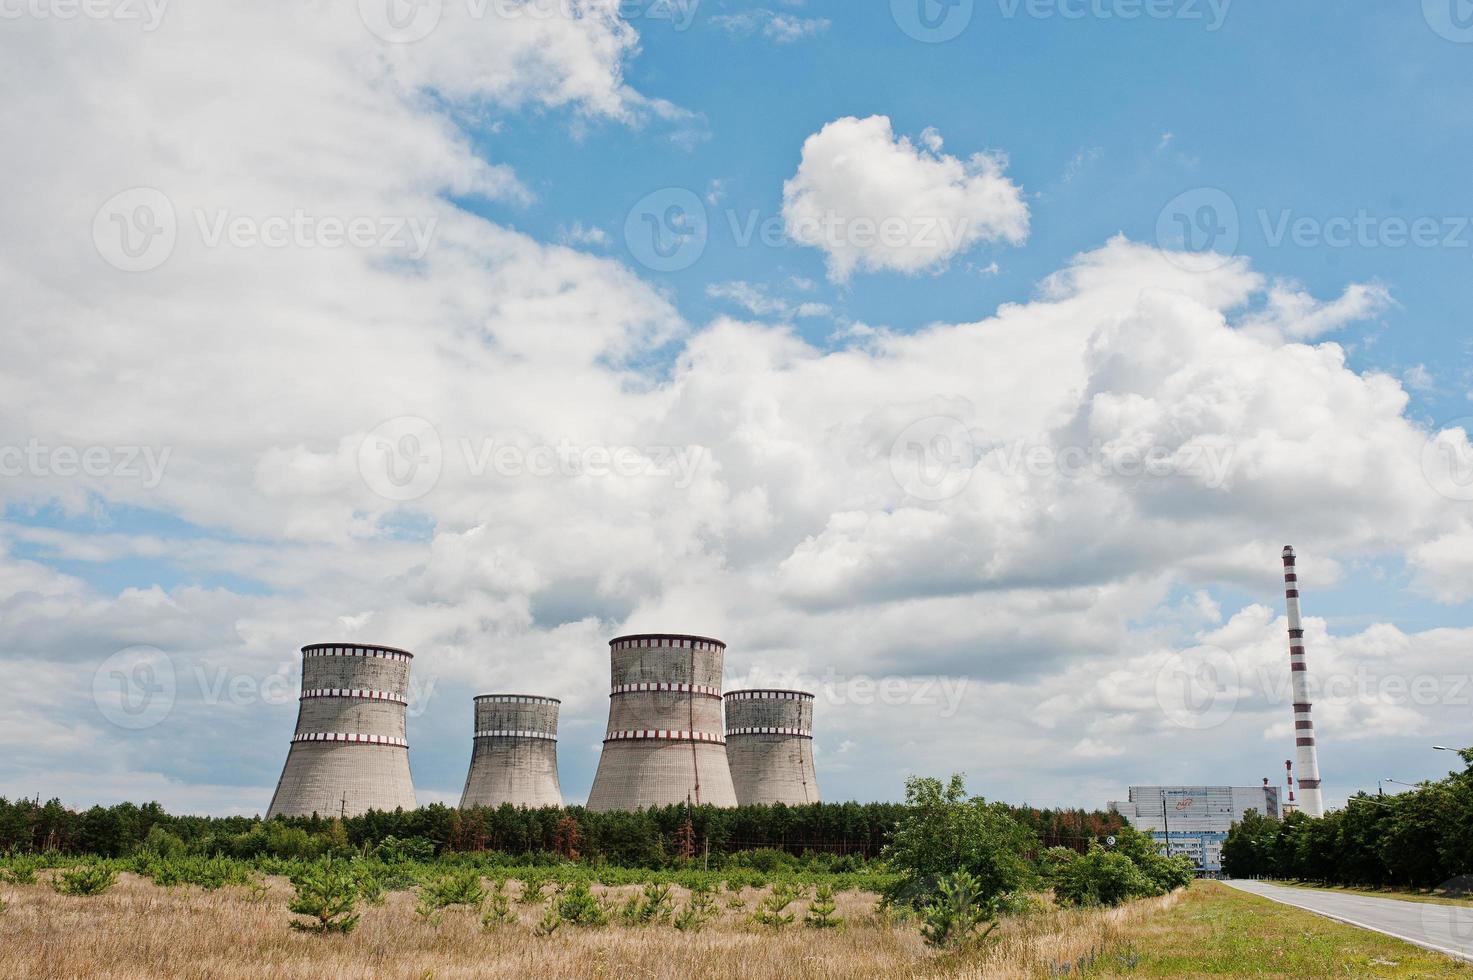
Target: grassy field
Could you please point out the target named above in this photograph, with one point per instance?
(137, 929)
(1218, 932)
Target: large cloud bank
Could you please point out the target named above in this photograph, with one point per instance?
(1024, 507)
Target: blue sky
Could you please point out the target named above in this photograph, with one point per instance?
(535, 319)
(1282, 107)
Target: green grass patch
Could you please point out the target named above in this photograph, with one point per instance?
(1216, 931)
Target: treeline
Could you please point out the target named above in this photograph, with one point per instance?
(836, 832)
(1418, 839)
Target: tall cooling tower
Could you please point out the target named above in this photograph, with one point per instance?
(515, 756)
(349, 754)
(769, 746)
(664, 742)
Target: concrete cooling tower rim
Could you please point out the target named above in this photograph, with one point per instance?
(633, 638)
(354, 650)
(518, 699)
(769, 694)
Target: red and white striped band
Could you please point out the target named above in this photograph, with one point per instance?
(351, 737)
(799, 732)
(664, 735)
(714, 692)
(362, 695)
(507, 733)
(769, 696)
(341, 651)
(516, 699)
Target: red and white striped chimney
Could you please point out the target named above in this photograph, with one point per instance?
(1310, 801)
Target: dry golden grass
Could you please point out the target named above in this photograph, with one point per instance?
(140, 930)
(1042, 945)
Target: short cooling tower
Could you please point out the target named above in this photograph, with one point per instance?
(664, 742)
(515, 756)
(349, 754)
(769, 745)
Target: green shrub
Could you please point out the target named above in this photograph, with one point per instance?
(766, 860)
(1102, 878)
(1054, 863)
(820, 914)
(958, 910)
(498, 907)
(699, 909)
(92, 879)
(160, 843)
(394, 850)
(22, 871)
(947, 831)
(772, 910)
(653, 905)
(215, 872)
(1166, 874)
(256, 890)
(455, 888)
(367, 880)
(165, 874)
(531, 889)
(328, 896)
(577, 905)
(550, 921)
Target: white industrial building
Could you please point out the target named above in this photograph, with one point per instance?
(1196, 817)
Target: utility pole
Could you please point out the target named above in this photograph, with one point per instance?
(1165, 823)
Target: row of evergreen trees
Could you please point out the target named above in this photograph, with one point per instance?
(1419, 839)
(649, 838)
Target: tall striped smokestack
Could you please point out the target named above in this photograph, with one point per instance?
(1310, 801)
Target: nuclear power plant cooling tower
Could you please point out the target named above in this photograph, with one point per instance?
(1310, 800)
(515, 755)
(664, 742)
(349, 754)
(769, 746)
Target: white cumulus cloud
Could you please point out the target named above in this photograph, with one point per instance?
(874, 201)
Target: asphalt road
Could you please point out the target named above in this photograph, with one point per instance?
(1444, 928)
